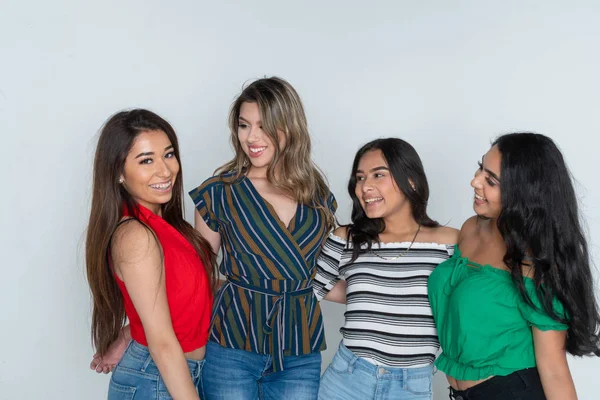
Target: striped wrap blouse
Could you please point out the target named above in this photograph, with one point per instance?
(267, 305)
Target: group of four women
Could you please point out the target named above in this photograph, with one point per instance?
(506, 297)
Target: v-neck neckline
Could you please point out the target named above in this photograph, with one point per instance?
(292, 222)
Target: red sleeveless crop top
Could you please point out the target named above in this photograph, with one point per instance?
(187, 286)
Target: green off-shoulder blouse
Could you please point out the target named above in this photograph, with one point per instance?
(483, 322)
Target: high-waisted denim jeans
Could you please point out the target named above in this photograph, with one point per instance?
(350, 377)
(233, 374)
(137, 377)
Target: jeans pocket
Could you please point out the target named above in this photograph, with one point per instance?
(116, 391)
(419, 384)
(339, 364)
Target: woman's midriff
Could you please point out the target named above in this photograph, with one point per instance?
(197, 354)
(464, 385)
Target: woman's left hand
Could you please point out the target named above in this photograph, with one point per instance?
(106, 363)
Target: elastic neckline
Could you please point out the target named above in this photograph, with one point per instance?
(393, 245)
(486, 267)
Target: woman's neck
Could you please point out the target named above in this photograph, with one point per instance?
(488, 229)
(399, 228)
(256, 173)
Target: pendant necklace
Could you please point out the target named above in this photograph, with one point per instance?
(401, 254)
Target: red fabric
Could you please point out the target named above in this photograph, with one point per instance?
(187, 286)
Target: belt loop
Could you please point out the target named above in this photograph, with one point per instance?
(352, 362)
(147, 362)
(523, 374)
(198, 368)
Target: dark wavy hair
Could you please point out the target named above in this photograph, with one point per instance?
(404, 164)
(540, 222)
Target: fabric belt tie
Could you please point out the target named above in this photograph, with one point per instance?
(278, 323)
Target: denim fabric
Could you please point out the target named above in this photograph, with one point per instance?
(524, 384)
(137, 377)
(233, 374)
(351, 377)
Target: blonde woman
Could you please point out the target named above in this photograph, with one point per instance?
(268, 211)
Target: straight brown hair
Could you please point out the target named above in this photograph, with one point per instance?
(109, 198)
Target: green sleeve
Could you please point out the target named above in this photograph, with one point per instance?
(536, 316)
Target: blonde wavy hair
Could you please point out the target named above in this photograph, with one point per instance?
(281, 110)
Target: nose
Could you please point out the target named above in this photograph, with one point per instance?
(366, 185)
(476, 182)
(163, 169)
(254, 134)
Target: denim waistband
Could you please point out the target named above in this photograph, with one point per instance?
(145, 363)
(382, 371)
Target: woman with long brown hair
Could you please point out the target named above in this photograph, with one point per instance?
(145, 262)
(268, 211)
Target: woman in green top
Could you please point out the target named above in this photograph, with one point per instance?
(518, 290)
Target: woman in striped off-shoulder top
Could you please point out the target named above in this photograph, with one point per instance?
(384, 257)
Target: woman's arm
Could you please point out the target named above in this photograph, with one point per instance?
(327, 283)
(551, 359)
(337, 294)
(214, 238)
(138, 262)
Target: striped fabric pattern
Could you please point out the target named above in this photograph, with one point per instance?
(268, 266)
(388, 320)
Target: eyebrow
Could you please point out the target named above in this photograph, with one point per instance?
(245, 120)
(496, 177)
(382, 168)
(151, 153)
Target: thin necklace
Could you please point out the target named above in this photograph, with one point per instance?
(401, 254)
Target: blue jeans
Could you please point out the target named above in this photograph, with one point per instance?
(136, 376)
(351, 377)
(232, 374)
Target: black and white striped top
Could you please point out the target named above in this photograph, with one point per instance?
(388, 317)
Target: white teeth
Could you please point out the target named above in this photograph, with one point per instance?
(373, 199)
(161, 186)
(257, 149)
(478, 197)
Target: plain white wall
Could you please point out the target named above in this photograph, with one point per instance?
(447, 76)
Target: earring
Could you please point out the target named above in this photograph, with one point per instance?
(121, 180)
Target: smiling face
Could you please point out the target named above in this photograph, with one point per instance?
(255, 142)
(376, 188)
(487, 202)
(150, 170)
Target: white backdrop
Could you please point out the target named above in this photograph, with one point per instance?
(447, 76)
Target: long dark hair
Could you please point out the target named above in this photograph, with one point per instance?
(405, 166)
(540, 220)
(108, 199)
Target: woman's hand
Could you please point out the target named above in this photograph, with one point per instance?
(105, 364)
